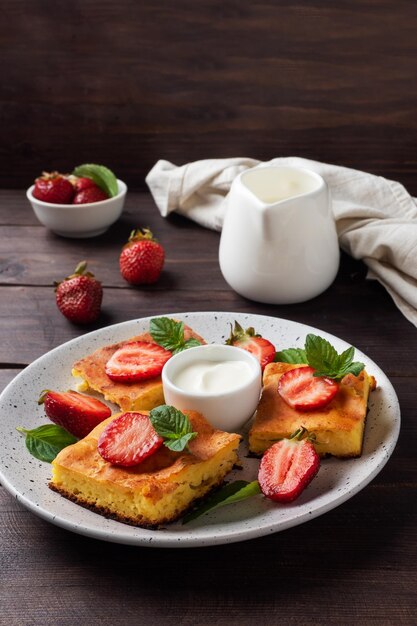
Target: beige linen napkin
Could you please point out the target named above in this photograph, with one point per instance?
(376, 218)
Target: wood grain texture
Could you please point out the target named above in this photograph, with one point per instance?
(50, 257)
(129, 83)
(32, 322)
(279, 579)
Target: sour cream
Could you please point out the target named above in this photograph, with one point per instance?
(213, 377)
(222, 383)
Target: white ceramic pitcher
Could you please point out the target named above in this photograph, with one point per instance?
(279, 242)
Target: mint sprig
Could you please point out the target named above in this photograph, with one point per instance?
(295, 356)
(46, 441)
(323, 358)
(170, 335)
(232, 492)
(101, 175)
(173, 426)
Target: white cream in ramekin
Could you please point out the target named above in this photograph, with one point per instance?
(226, 388)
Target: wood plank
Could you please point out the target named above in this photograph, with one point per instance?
(191, 251)
(190, 263)
(213, 80)
(287, 570)
(30, 323)
(50, 257)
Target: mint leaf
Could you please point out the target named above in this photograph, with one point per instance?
(191, 343)
(320, 354)
(178, 445)
(167, 332)
(101, 175)
(354, 368)
(346, 358)
(323, 357)
(173, 425)
(291, 355)
(46, 441)
(170, 334)
(232, 492)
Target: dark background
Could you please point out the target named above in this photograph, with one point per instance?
(127, 83)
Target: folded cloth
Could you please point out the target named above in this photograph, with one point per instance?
(376, 218)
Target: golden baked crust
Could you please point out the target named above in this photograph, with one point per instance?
(339, 426)
(129, 396)
(156, 491)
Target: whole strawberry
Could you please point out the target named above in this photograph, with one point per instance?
(79, 296)
(89, 194)
(142, 258)
(82, 182)
(54, 188)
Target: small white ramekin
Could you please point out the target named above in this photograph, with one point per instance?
(79, 220)
(229, 410)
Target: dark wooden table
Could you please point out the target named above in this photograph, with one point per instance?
(353, 565)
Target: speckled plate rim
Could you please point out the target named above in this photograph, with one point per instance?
(338, 480)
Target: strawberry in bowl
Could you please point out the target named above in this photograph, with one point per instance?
(53, 188)
(78, 205)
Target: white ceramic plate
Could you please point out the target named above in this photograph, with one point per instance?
(338, 480)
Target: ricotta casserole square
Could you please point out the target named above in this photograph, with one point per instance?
(339, 426)
(143, 395)
(156, 491)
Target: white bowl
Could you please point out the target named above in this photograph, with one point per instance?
(226, 410)
(79, 220)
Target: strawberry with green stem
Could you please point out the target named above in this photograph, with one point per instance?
(142, 258)
(285, 470)
(252, 342)
(79, 296)
(288, 466)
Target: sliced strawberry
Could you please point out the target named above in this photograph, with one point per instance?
(128, 440)
(252, 342)
(304, 391)
(136, 361)
(75, 412)
(261, 348)
(286, 468)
